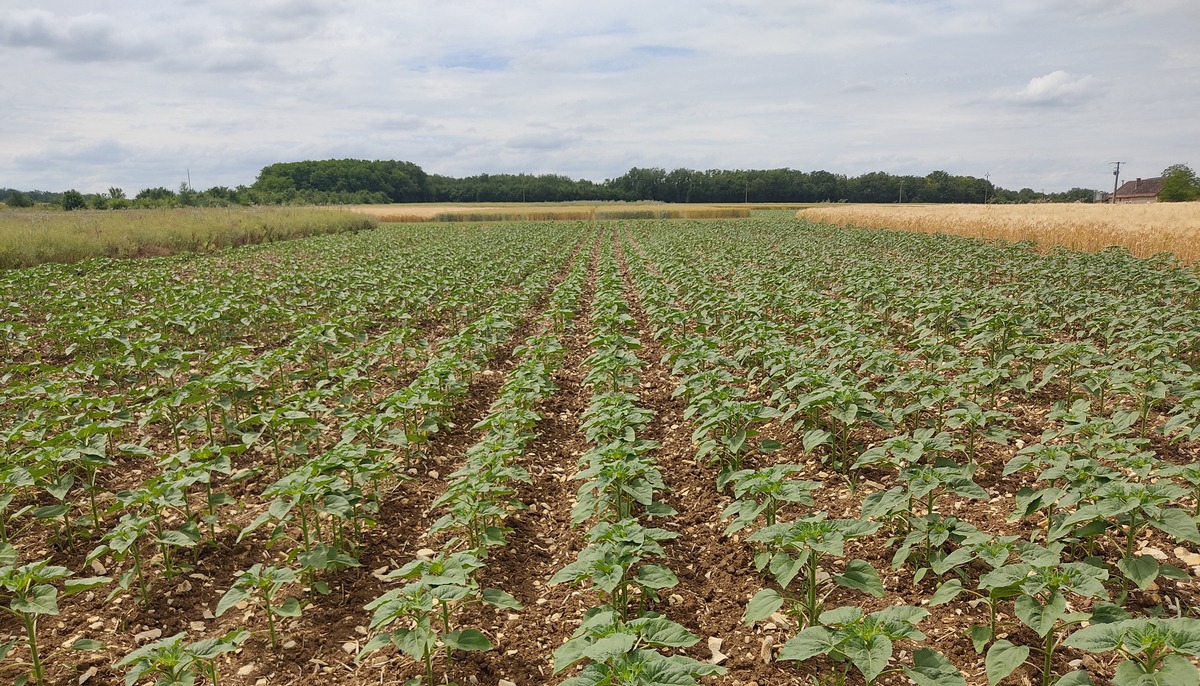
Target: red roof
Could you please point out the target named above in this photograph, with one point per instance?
(1140, 188)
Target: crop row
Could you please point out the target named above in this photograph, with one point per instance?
(1102, 482)
(305, 407)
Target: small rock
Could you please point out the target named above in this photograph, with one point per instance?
(765, 652)
(1187, 557)
(196, 626)
(246, 670)
(91, 672)
(289, 644)
(207, 614)
(147, 635)
(350, 647)
(1154, 553)
(261, 682)
(433, 474)
(714, 644)
(426, 553)
(779, 619)
(505, 682)
(361, 630)
(99, 570)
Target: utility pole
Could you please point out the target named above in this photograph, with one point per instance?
(1116, 178)
(987, 183)
(901, 191)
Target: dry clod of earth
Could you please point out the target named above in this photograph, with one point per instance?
(714, 645)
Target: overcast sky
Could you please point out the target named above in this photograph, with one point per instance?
(1037, 93)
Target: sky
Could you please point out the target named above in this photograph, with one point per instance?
(1042, 94)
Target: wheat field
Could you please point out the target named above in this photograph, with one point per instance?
(437, 212)
(1143, 229)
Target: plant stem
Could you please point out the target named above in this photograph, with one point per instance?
(31, 632)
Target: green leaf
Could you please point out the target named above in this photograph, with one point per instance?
(861, 576)
(1177, 523)
(656, 576)
(813, 641)
(289, 608)
(232, 597)
(981, 635)
(1077, 678)
(50, 511)
(946, 592)
(88, 644)
(1174, 670)
(1141, 570)
(377, 641)
(1097, 638)
(177, 538)
(1002, 659)
(1041, 618)
(931, 668)
(610, 646)
(42, 600)
(764, 604)
(569, 653)
(73, 586)
(870, 656)
(497, 598)
(467, 639)
(660, 632)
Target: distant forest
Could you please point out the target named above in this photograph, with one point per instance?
(387, 181)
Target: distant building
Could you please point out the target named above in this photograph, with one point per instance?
(1139, 191)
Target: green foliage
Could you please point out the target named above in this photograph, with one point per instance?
(420, 618)
(389, 180)
(261, 585)
(851, 637)
(73, 200)
(1180, 184)
(792, 550)
(1155, 650)
(626, 652)
(18, 199)
(174, 662)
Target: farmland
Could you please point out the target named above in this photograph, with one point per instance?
(750, 451)
(1142, 229)
(32, 237)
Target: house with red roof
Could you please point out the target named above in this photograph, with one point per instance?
(1140, 191)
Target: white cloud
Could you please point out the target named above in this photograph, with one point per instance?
(590, 89)
(1057, 88)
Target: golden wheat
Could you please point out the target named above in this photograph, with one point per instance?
(1143, 229)
(548, 212)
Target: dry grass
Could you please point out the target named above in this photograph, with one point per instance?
(31, 237)
(547, 212)
(1143, 229)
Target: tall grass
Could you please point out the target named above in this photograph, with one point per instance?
(31, 237)
(1143, 229)
(543, 212)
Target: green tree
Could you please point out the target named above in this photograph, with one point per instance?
(1179, 184)
(18, 199)
(73, 200)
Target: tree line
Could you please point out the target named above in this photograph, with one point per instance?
(351, 181)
